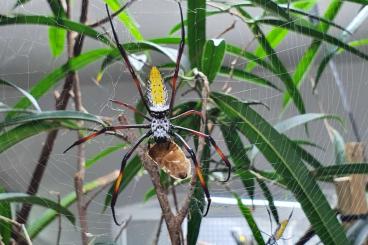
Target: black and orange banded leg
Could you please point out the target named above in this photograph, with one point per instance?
(111, 128)
(188, 113)
(132, 108)
(119, 179)
(213, 142)
(180, 53)
(197, 169)
(126, 59)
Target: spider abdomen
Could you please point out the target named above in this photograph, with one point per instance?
(160, 128)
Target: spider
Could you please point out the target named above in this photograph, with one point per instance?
(160, 113)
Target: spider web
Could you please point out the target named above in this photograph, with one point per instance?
(25, 58)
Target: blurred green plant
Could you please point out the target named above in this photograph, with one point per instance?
(295, 169)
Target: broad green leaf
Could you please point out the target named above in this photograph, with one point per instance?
(287, 161)
(51, 115)
(246, 76)
(25, 93)
(196, 17)
(213, 54)
(57, 38)
(26, 130)
(125, 18)
(102, 154)
(35, 200)
(238, 155)
(50, 80)
(330, 172)
(282, 73)
(5, 227)
(268, 195)
(247, 214)
(55, 22)
(131, 170)
(48, 216)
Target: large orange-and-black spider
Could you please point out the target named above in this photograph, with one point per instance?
(159, 126)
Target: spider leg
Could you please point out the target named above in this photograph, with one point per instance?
(180, 53)
(132, 108)
(198, 170)
(119, 179)
(188, 113)
(111, 128)
(219, 151)
(126, 59)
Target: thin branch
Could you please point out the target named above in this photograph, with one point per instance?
(158, 232)
(59, 217)
(125, 225)
(94, 196)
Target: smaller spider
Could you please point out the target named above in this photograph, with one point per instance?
(159, 126)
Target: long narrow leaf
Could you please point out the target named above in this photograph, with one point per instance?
(47, 217)
(56, 40)
(213, 54)
(196, 30)
(250, 220)
(281, 153)
(52, 115)
(35, 200)
(334, 171)
(25, 93)
(5, 227)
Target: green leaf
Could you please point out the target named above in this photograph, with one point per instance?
(20, 3)
(57, 8)
(246, 76)
(247, 214)
(282, 73)
(55, 22)
(256, 59)
(339, 145)
(102, 154)
(130, 172)
(267, 193)
(149, 194)
(35, 200)
(213, 54)
(238, 155)
(56, 40)
(310, 54)
(28, 96)
(197, 202)
(5, 227)
(274, 37)
(332, 51)
(48, 216)
(125, 18)
(330, 172)
(299, 120)
(272, 7)
(52, 115)
(24, 131)
(196, 18)
(281, 153)
(50, 80)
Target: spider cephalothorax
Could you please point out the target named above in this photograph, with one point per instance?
(159, 127)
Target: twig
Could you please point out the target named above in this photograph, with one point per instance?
(231, 27)
(59, 217)
(79, 176)
(158, 232)
(106, 19)
(125, 225)
(87, 203)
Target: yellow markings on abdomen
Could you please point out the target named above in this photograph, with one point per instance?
(158, 92)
